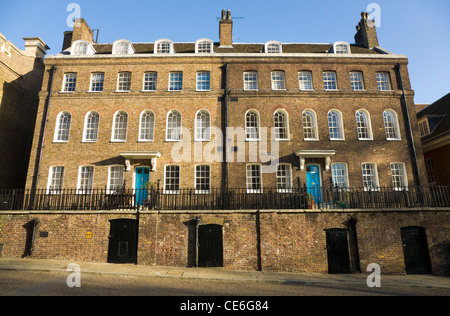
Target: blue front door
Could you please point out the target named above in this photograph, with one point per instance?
(142, 177)
(313, 182)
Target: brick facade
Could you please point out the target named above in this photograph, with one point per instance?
(227, 103)
(288, 240)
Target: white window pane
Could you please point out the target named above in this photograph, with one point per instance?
(254, 181)
(147, 126)
(172, 179)
(305, 80)
(284, 179)
(150, 80)
(174, 126)
(250, 81)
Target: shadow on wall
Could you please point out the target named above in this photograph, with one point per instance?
(18, 111)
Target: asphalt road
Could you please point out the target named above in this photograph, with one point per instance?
(41, 283)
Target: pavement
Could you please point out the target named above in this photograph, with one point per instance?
(220, 273)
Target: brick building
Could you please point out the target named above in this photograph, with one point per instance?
(149, 112)
(434, 127)
(264, 117)
(21, 73)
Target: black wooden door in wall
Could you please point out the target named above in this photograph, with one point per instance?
(415, 249)
(122, 241)
(337, 251)
(210, 246)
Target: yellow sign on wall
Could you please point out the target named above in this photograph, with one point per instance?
(88, 235)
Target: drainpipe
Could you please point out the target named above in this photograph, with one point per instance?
(225, 142)
(42, 136)
(412, 148)
(43, 128)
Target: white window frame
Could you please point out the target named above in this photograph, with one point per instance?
(124, 81)
(150, 78)
(171, 129)
(338, 48)
(335, 176)
(87, 126)
(330, 78)
(51, 180)
(84, 190)
(203, 81)
(156, 48)
(250, 80)
(56, 137)
(196, 177)
(394, 121)
(249, 176)
(285, 125)
(339, 125)
(368, 126)
(170, 191)
(175, 80)
(384, 81)
(268, 47)
(399, 176)
(88, 49)
(202, 130)
(424, 127)
(115, 129)
(368, 177)
(199, 49)
(112, 189)
(357, 81)
(96, 83)
(70, 81)
(286, 179)
(278, 79)
(129, 47)
(151, 127)
(302, 82)
(249, 128)
(313, 128)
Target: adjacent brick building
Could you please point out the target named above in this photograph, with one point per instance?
(434, 127)
(21, 73)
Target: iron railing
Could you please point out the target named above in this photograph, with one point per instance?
(299, 197)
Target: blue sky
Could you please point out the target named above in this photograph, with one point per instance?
(418, 29)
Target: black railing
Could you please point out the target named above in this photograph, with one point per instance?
(299, 197)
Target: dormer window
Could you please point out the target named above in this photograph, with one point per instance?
(81, 48)
(341, 48)
(163, 47)
(424, 128)
(273, 47)
(204, 46)
(122, 47)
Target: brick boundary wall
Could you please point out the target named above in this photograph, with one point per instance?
(292, 240)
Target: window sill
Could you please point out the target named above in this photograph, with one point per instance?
(125, 91)
(94, 91)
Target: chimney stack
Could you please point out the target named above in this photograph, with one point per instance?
(35, 47)
(226, 29)
(366, 33)
(81, 31)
